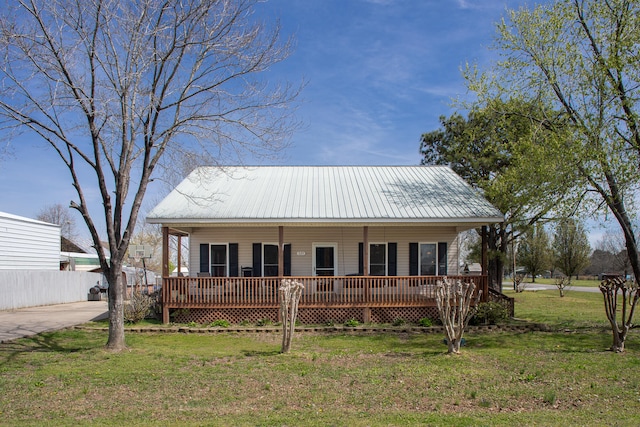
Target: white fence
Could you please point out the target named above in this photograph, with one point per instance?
(30, 288)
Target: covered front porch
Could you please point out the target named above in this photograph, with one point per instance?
(377, 299)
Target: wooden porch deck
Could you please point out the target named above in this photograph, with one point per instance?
(332, 292)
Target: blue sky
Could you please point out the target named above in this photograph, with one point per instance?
(379, 74)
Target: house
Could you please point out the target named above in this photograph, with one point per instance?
(28, 244)
(367, 242)
(74, 257)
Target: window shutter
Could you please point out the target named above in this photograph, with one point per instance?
(392, 267)
(204, 257)
(413, 259)
(257, 260)
(287, 260)
(360, 258)
(233, 260)
(442, 258)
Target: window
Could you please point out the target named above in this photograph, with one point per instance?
(219, 261)
(270, 260)
(378, 259)
(265, 260)
(428, 259)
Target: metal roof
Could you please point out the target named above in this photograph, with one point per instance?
(315, 194)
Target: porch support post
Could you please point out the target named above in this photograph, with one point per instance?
(366, 312)
(365, 252)
(485, 249)
(485, 264)
(280, 263)
(179, 270)
(165, 274)
(165, 251)
(281, 251)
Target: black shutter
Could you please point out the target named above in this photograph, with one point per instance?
(392, 267)
(360, 258)
(287, 260)
(442, 258)
(413, 259)
(257, 260)
(233, 260)
(204, 257)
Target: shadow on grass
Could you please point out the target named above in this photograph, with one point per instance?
(66, 342)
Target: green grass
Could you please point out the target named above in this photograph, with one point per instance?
(574, 282)
(344, 379)
(574, 310)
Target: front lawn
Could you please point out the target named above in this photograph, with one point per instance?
(565, 377)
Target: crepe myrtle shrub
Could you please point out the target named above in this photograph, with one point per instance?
(456, 305)
(562, 283)
(290, 292)
(612, 289)
(139, 307)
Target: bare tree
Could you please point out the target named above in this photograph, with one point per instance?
(290, 292)
(119, 89)
(456, 305)
(60, 215)
(615, 245)
(612, 289)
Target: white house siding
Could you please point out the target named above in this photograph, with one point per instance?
(27, 244)
(32, 288)
(346, 238)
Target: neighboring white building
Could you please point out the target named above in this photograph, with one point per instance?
(27, 244)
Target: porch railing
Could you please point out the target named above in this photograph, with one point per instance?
(330, 291)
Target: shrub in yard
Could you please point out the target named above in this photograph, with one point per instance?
(351, 323)
(425, 322)
(264, 322)
(138, 307)
(490, 313)
(399, 322)
(220, 323)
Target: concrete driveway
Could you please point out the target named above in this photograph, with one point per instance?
(25, 322)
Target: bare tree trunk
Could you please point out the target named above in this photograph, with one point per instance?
(116, 308)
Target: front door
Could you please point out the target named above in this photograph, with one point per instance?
(324, 259)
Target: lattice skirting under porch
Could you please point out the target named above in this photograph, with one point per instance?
(306, 316)
(408, 314)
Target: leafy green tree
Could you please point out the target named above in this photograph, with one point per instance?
(497, 150)
(579, 58)
(571, 248)
(534, 252)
